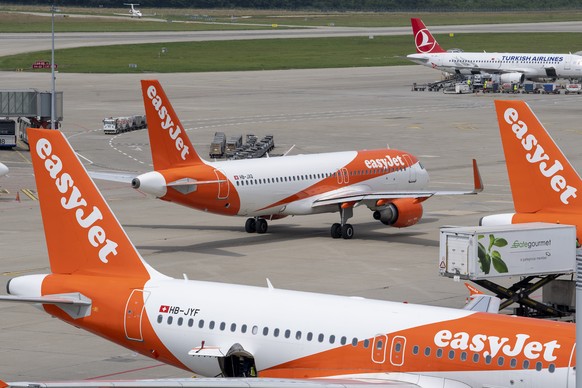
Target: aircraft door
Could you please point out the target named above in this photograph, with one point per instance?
(223, 187)
(134, 311)
(343, 176)
(397, 350)
(411, 169)
(379, 348)
(567, 62)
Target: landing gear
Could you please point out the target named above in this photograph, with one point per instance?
(336, 230)
(262, 226)
(343, 229)
(251, 225)
(258, 225)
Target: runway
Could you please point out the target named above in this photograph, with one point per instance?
(315, 110)
(15, 43)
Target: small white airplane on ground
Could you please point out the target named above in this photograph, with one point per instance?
(389, 182)
(3, 169)
(134, 13)
(279, 338)
(512, 67)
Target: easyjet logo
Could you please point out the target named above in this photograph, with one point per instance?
(73, 199)
(424, 41)
(388, 161)
(548, 169)
(492, 346)
(166, 123)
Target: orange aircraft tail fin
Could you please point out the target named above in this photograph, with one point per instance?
(169, 142)
(540, 176)
(423, 39)
(82, 234)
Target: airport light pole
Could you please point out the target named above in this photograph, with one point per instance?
(53, 66)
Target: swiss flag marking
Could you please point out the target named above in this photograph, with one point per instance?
(164, 308)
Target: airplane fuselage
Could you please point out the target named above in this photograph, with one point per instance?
(533, 66)
(291, 185)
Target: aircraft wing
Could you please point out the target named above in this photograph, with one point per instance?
(219, 383)
(358, 194)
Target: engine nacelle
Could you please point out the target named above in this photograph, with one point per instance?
(400, 213)
(497, 219)
(512, 78)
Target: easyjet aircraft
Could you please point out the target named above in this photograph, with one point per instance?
(391, 183)
(101, 284)
(543, 183)
(512, 67)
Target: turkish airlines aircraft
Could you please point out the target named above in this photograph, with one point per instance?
(391, 183)
(543, 183)
(512, 67)
(101, 284)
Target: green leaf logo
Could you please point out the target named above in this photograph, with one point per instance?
(490, 255)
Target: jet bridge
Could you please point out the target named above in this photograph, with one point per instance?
(32, 108)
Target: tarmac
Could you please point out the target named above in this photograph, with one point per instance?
(312, 110)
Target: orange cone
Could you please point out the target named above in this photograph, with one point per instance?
(18, 196)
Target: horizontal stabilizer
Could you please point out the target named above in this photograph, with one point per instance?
(483, 303)
(76, 305)
(112, 176)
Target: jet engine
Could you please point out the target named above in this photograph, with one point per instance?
(497, 219)
(400, 213)
(512, 78)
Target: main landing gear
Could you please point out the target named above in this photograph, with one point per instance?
(343, 229)
(258, 225)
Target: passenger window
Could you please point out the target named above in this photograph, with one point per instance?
(265, 331)
(552, 368)
(500, 361)
(513, 363)
(463, 356)
(190, 322)
(379, 344)
(476, 357)
(331, 339)
(180, 321)
(233, 327)
(222, 326)
(287, 333)
(343, 340)
(488, 360)
(354, 341)
(415, 349)
(525, 364)
(243, 328)
(201, 323)
(309, 336)
(255, 330)
(276, 332)
(366, 343)
(427, 351)
(160, 318)
(398, 347)
(439, 353)
(298, 335)
(320, 337)
(170, 319)
(538, 366)
(211, 325)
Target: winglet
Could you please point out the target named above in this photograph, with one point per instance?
(423, 39)
(82, 234)
(478, 182)
(535, 164)
(169, 142)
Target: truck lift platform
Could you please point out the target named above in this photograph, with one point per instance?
(520, 293)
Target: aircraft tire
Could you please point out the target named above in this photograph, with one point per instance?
(336, 230)
(261, 226)
(251, 225)
(347, 231)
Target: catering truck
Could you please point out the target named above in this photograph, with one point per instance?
(483, 252)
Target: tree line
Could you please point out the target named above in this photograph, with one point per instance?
(328, 5)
